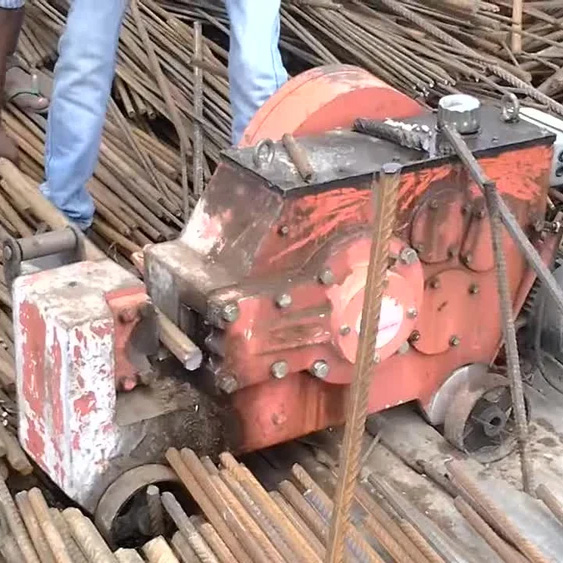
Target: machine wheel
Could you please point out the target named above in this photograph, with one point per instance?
(121, 512)
(325, 98)
(480, 419)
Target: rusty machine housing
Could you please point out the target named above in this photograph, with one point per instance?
(267, 278)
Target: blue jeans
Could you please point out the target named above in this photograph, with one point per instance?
(83, 78)
(256, 69)
(84, 74)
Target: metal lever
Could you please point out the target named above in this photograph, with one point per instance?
(17, 251)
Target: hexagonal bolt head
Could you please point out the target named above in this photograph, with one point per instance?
(415, 336)
(473, 289)
(326, 277)
(408, 256)
(230, 312)
(284, 301)
(320, 369)
(455, 341)
(412, 313)
(345, 330)
(280, 369)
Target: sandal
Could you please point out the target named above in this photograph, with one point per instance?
(21, 88)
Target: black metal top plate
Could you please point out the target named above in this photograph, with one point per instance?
(341, 155)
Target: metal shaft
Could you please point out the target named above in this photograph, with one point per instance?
(385, 198)
(198, 110)
(299, 157)
(156, 514)
(513, 363)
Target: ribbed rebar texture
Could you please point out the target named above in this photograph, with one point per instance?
(156, 514)
(510, 342)
(16, 525)
(158, 551)
(490, 512)
(551, 501)
(493, 203)
(385, 193)
(505, 551)
(34, 528)
(88, 537)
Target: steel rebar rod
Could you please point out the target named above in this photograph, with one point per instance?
(385, 193)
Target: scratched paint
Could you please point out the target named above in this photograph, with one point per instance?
(65, 350)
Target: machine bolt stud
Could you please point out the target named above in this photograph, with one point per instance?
(433, 204)
(284, 301)
(415, 336)
(345, 330)
(481, 214)
(283, 230)
(468, 258)
(408, 256)
(473, 289)
(230, 312)
(412, 313)
(326, 277)
(435, 283)
(455, 341)
(280, 369)
(320, 369)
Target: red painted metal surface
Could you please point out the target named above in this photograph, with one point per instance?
(233, 252)
(253, 254)
(247, 245)
(68, 351)
(325, 98)
(126, 306)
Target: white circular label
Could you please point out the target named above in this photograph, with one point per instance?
(390, 321)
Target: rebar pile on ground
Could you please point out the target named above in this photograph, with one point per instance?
(425, 49)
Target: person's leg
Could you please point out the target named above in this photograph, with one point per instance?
(256, 69)
(11, 17)
(83, 78)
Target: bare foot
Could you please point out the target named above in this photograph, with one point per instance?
(8, 148)
(20, 90)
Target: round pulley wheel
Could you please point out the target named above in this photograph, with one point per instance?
(121, 514)
(325, 98)
(480, 419)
